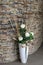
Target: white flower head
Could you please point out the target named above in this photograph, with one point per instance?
(20, 38)
(27, 34)
(32, 33)
(22, 26)
(31, 40)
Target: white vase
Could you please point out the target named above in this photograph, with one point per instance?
(23, 50)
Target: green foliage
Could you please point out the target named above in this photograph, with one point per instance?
(22, 31)
(31, 37)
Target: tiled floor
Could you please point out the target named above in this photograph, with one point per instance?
(34, 59)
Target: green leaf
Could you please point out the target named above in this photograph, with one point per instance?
(31, 37)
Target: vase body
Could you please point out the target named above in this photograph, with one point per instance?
(23, 50)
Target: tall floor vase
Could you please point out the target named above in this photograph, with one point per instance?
(23, 50)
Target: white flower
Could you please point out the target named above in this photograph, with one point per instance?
(20, 38)
(31, 40)
(27, 34)
(32, 33)
(22, 26)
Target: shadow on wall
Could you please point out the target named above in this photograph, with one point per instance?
(41, 15)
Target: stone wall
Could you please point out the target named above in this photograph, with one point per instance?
(20, 11)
